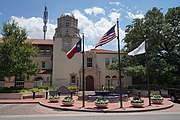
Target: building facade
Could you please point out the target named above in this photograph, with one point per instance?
(57, 70)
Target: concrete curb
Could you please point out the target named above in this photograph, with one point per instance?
(108, 111)
(80, 109)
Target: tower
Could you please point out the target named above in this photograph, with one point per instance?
(45, 19)
(65, 71)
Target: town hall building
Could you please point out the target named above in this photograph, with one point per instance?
(57, 70)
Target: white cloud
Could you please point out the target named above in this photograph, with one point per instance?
(1, 13)
(114, 3)
(88, 47)
(133, 16)
(113, 16)
(34, 27)
(94, 11)
(93, 31)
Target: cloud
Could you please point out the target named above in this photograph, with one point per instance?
(94, 11)
(88, 47)
(113, 16)
(114, 3)
(133, 16)
(93, 31)
(34, 27)
(1, 13)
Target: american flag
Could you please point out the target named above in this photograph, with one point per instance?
(107, 37)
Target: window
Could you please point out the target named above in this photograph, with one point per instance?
(73, 79)
(1, 83)
(114, 60)
(67, 22)
(38, 82)
(89, 62)
(48, 52)
(43, 64)
(67, 45)
(107, 80)
(20, 83)
(107, 62)
(115, 81)
(42, 51)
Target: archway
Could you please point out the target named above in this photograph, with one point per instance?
(38, 82)
(89, 83)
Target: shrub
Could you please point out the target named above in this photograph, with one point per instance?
(137, 100)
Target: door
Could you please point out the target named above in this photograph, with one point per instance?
(89, 83)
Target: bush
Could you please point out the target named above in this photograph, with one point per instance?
(21, 90)
(73, 88)
(137, 100)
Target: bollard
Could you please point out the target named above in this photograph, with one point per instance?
(71, 94)
(34, 95)
(139, 94)
(46, 94)
(59, 93)
(128, 92)
(160, 92)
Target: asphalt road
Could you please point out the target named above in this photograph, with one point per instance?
(98, 116)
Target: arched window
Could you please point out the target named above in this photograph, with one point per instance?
(38, 82)
(114, 81)
(107, 80)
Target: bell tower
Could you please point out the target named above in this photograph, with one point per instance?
(65, 37)
(67, 30)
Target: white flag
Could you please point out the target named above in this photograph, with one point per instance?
(139, 50)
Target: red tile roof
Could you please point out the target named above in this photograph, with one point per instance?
(41, 41)
(37, 41)
(101, 51)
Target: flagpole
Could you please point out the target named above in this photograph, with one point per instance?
(83, 102)
(119, 59)
(147, 72)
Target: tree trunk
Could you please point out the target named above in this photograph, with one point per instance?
(15, 81)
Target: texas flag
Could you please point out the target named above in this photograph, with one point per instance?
(75, 49)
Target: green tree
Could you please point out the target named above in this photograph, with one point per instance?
(16, 53)
(162, 33)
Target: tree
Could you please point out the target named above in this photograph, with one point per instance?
(16, 53)
(162, 33)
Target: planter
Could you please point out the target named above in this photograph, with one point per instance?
(11, 95)
(68, 103)
(137, 104)
(157, 101)
(101, 105)
(54, 100)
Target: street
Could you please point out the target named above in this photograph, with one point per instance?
(98, 116)
(37, 112)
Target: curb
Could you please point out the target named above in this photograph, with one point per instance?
(92, 110)
(107, 111)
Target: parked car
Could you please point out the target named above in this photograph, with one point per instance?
(174, 93)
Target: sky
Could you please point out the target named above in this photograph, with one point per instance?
(95, 17)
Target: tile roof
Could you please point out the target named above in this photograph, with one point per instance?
(41, 41)
(38, 41)
(101, 51)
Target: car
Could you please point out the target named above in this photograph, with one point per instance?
(174, 92)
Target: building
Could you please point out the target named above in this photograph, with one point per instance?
(57, 70)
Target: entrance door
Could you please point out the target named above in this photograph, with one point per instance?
(89, 83)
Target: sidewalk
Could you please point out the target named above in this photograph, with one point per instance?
(90, 106)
